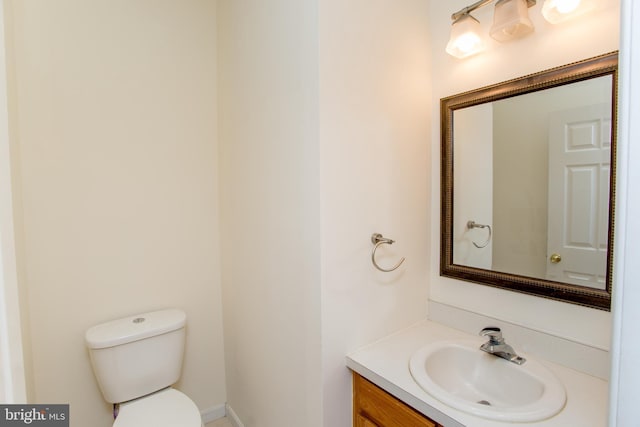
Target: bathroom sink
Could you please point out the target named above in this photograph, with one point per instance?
(462, 376)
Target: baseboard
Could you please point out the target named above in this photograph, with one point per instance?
(233, 417)
(213, 413)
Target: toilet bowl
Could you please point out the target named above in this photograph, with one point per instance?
(165, 408)
(136, 360)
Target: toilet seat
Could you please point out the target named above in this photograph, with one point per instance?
(165, 408)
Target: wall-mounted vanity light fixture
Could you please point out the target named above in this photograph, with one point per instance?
(510, 21)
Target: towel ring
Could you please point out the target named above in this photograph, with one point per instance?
(471, 225)
(377, 239)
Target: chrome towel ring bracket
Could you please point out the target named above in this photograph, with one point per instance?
(377, 239)
(471, 225)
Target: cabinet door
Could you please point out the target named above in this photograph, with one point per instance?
(364, 422)
(374, 407)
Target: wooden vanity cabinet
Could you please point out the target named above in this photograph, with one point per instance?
(374, 407)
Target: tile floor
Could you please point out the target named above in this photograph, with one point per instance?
(222, 422)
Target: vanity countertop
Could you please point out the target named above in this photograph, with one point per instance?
(386, 363)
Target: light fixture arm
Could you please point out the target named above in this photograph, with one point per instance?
(478, 5)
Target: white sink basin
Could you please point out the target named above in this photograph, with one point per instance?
(462, 376)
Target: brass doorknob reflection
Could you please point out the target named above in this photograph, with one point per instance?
(555, 258)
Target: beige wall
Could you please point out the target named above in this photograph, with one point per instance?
(268, 86)
(547, 47)
(271, 164)
(324, 132)
(114, 113)
(374, 166)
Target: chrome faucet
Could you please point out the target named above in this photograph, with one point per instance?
(498, 347)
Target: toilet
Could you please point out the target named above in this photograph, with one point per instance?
(136, 360)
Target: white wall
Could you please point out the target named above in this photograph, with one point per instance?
(625, 350)
(374, 163)
(304, 189)
(549, 46)
(268, 86)
(114, 117)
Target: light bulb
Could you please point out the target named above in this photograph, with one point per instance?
(567, 6)
(467, 42)
(556, 11)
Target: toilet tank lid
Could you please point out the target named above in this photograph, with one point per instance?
(134, 328)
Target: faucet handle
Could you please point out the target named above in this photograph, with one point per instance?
(494, 333)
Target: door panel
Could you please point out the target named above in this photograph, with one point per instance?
(579, 167)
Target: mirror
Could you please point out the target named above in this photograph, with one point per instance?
(528, 183)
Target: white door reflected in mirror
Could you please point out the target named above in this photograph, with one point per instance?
(578, 220)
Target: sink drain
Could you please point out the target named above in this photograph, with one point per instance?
(484, 402)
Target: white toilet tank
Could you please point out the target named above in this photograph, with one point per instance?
(137, 355)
